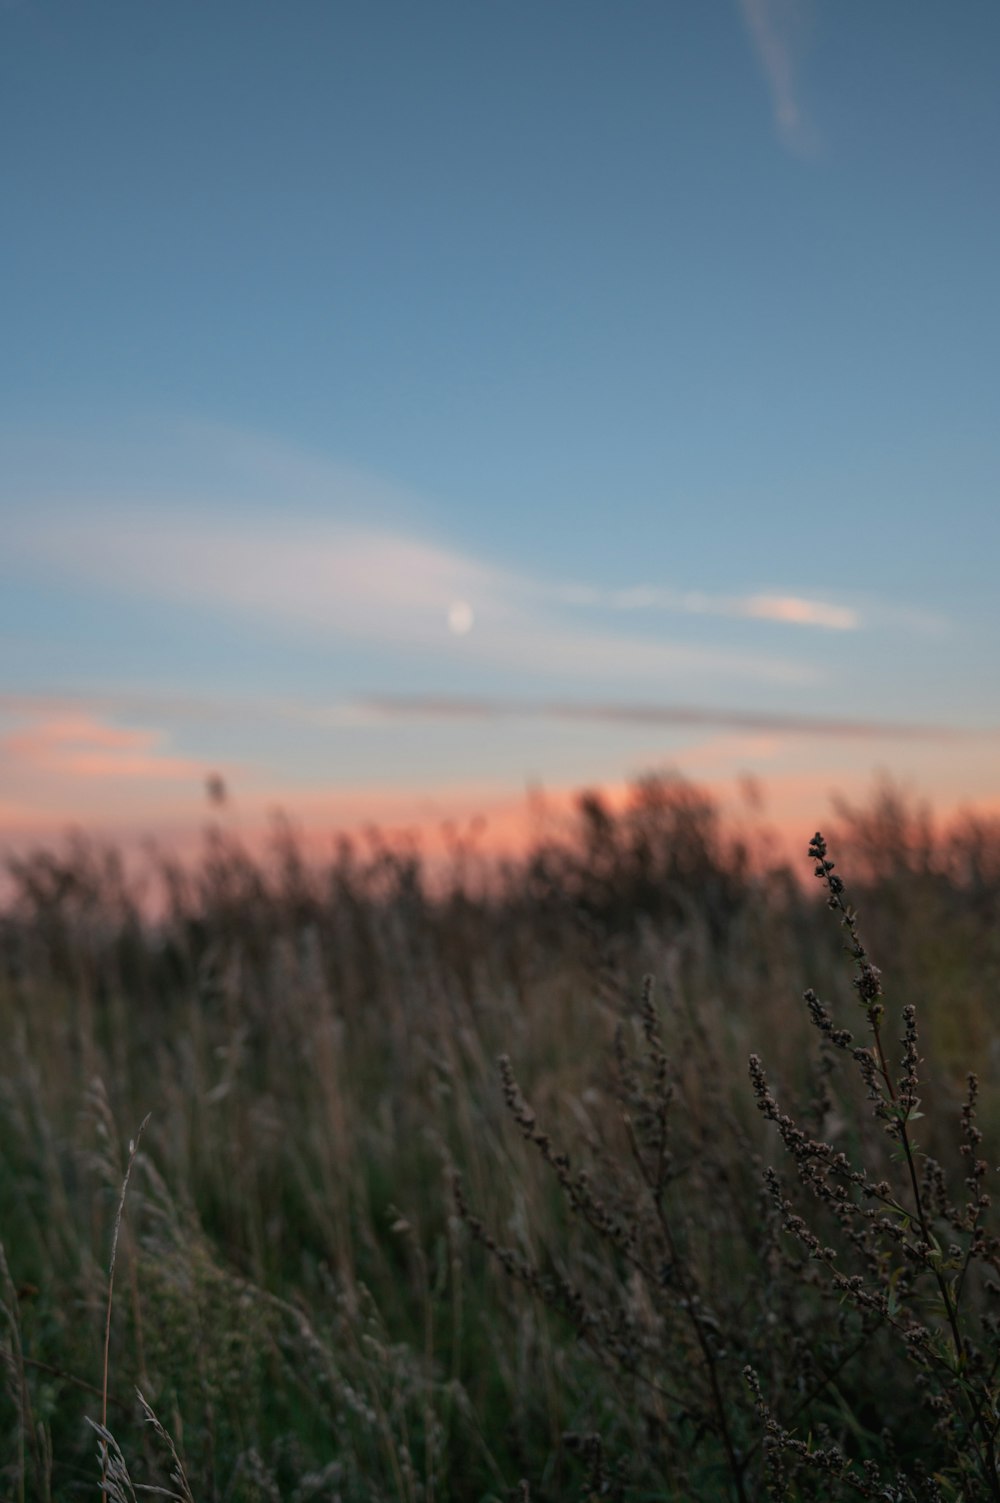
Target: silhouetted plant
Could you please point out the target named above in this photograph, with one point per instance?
(908, 1253)
(908, 1265)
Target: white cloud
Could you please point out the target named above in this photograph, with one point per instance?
(379, 586)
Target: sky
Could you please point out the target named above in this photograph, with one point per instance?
(407, 409)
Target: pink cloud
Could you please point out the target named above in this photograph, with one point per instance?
(76, 729)
(795, 611)
(96, 764)
(81, 745)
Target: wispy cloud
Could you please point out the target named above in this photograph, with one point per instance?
(384, 587)
(776, 30)
(469, 707)
(790, 610)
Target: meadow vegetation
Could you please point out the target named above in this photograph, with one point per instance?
(617, 1172)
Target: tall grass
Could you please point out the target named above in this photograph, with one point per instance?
(360, 1259)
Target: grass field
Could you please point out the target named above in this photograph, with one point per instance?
(440, 1198)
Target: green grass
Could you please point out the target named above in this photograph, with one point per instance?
(310, 1313)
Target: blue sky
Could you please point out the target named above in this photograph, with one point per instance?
(370, 369)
